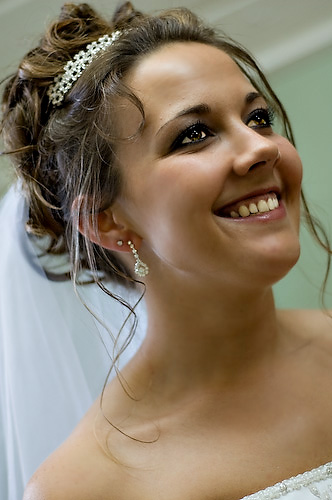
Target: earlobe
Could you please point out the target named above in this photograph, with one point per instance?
(103, 230)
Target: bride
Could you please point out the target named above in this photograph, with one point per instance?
(152, 159)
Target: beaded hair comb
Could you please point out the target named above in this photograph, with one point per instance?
(75, 67)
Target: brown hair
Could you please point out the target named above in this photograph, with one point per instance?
(67, 153)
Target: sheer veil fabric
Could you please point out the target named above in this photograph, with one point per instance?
(53, 354)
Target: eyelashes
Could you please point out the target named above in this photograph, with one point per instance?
(261, 118)
(196, 133)
(199, 132)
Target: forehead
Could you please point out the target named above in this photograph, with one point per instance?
(176, 75)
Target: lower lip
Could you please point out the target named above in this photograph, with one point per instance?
(276, 214)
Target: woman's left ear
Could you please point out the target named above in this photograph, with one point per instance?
(104, 230)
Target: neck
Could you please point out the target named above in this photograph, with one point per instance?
(207, 338)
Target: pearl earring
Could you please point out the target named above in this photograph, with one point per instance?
(141, 269)
(119, 243)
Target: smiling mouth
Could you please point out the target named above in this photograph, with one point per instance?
(251, 207)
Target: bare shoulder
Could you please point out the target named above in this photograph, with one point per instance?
(312, 325)
(77, 470)
(61, 476)
(49, 484)
(45, 485)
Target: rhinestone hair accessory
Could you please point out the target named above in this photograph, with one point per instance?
(75, 67)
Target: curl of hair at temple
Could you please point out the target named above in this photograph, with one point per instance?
(66, 155)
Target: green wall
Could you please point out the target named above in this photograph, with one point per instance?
(305, 88)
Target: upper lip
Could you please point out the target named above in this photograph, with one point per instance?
(247, 196)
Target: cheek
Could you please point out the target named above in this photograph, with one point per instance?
(290, 168)
(291, 171)
(297, 169)
(151, 202)
(167, 208)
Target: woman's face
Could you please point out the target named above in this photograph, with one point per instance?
(206, 157)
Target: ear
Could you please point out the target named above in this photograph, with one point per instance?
(106, 231)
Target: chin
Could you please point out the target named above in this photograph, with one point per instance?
(279, 265)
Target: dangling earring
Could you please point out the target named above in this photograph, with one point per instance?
(141, 269)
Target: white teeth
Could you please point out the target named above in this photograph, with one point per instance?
(244, 211)
(270, 204)
(262, 206)
(253, 208)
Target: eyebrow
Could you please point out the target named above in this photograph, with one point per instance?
(252, 96)
(201, 109)
(198, 109)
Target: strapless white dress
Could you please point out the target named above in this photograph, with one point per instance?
(313, 484)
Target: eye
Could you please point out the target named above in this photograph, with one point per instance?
(194, 134)
(261, 118)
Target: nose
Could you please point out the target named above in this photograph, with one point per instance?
(253, 149)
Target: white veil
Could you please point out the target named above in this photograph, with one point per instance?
(52, 361)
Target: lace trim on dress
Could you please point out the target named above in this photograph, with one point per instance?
(304, 480)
